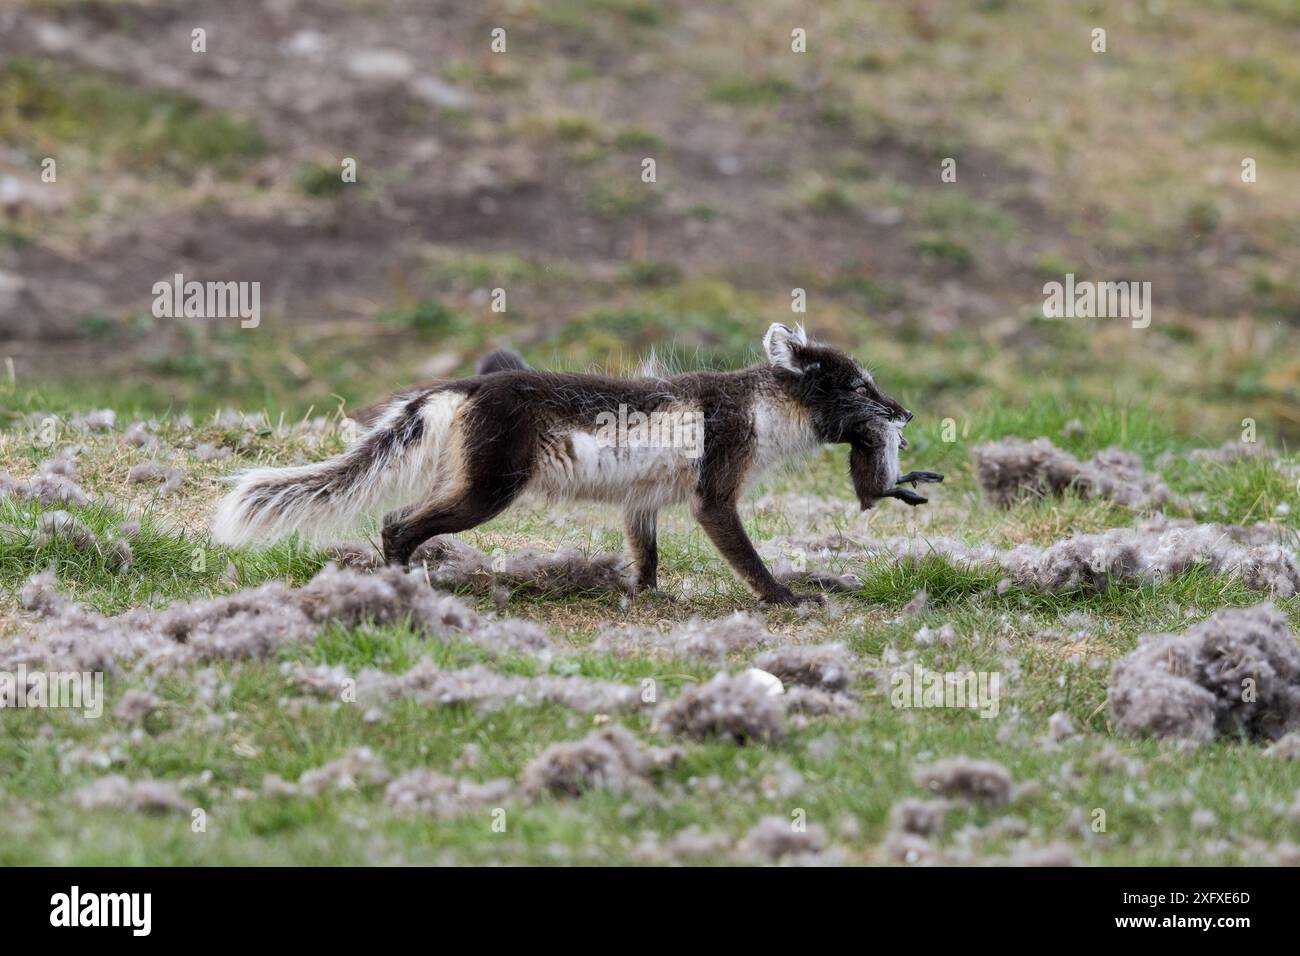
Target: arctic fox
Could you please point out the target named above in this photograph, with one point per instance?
(448, 456)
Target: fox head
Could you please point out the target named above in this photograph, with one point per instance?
(840, 395)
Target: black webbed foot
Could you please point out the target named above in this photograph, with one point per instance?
(905, 495)
(914, 477)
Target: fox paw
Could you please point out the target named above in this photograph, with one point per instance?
(785, 597)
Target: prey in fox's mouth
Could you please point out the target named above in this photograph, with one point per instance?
(874, 467)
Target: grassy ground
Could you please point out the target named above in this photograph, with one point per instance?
(844, 772)
(776, 172)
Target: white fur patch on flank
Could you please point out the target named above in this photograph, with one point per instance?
(326, 500)
(782, 431)
(585, 465)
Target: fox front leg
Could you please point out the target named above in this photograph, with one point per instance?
(721, 522)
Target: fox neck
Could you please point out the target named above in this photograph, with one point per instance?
(783, 430)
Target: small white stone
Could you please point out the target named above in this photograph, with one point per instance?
(435, 91)
(380, 65)
(306, 43)
(770, 683)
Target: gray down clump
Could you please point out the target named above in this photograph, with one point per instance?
(1012, 468)
(1236, 673)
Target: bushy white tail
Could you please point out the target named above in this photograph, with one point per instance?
(397, 462)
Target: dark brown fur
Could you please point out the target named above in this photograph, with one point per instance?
(510, 410)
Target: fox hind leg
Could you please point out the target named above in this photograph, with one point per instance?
(495, 472)
(406, 530)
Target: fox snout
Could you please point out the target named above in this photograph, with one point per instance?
(896, 413)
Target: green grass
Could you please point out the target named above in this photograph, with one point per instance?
(945, 251)
(584, 16)
(635, 138)
(829, 200)
(952, 210)
(428, 317)
(456, 267)
(44, 106)
(751, 91)
(623, 197)
(14, 238)
(722, 340)
(321, 181)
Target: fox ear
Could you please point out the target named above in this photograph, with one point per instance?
(780, 344)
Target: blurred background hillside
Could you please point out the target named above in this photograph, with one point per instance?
(775, 170)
